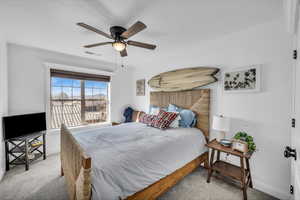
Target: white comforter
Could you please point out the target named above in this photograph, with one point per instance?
(132, 156)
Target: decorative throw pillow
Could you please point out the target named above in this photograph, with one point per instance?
(175, 123)
(188, 117)
(163, 119)
(146, 119)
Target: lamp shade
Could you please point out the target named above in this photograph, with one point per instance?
(221, 123)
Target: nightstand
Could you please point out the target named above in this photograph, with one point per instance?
(240, 173)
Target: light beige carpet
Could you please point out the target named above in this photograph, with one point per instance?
(43, 182)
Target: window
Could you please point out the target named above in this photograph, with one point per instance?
(78, 99)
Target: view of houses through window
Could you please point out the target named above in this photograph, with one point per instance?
(78, 102)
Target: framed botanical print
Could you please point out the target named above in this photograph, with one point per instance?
(246, 79)
(140, 87)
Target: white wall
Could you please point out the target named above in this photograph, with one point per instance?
(121, 90)
(3, 100)
(265, 115)
(27, 83)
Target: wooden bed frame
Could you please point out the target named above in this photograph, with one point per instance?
(76, 164)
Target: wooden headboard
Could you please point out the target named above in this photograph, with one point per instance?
(196, 100)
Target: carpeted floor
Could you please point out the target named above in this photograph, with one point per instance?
(43, 182)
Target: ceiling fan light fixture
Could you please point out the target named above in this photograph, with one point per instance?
(119, 36)
(119, 46)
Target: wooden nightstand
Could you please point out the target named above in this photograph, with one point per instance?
(240, 173)
(115, 123)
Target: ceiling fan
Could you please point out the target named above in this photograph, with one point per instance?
(120, 35)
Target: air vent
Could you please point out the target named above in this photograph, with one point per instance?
(92, 53)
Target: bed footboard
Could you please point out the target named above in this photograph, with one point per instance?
(160, 187)
(75, 166)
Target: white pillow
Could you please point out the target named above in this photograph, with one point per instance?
(175, 123)
(154, 111)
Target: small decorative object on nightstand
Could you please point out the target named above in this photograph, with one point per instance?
(240, 145)
(115, 123)
(226, 142)
(221, 124)
(243, 142)
(240, 173)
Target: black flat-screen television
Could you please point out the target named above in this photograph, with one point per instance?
(21, 125)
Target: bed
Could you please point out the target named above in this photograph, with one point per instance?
(132, 162)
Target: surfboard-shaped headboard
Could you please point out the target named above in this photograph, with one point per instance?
(183, 79)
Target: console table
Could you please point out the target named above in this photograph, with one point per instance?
(18, 150)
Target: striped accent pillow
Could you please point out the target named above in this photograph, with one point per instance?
(146, 119)
(163, 119)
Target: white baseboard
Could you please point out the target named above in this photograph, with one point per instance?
(269, 189)
(1, 175)
(280, 193)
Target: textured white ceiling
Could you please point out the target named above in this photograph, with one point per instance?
(171, 23)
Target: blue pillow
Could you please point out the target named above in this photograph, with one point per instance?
(173, 108)
(153, 109)
(188, 117)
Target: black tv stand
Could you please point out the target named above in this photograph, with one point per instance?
(25, 149)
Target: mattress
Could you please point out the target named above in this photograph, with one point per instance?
(130, 157)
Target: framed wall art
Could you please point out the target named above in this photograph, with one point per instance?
(246, 79)
(140, 87)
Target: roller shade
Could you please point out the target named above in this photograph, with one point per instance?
(79, 75)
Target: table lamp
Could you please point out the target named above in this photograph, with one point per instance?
(222, 125)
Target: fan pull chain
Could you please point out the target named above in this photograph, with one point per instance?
(116, 61)
(122, 65)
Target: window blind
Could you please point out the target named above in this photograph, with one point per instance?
(79, 75)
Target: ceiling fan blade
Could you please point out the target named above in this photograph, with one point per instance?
(97, 44)
(123, 53)
(94, 30)
(141, 44)
(134, 29)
